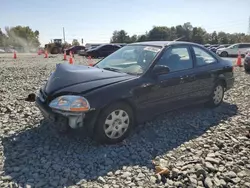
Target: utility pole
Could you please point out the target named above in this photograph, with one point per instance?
(63, 35)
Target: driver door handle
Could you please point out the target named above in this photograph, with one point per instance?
(147, 85)
(181, 80)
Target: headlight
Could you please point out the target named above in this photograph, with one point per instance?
(70, 103)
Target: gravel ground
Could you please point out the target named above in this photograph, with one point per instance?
(199, 147)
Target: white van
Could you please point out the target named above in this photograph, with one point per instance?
(234, 50)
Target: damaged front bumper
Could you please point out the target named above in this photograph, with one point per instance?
(72, 119)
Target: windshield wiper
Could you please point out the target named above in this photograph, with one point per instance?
(111, 69)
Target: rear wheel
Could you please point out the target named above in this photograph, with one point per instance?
(114, 124)
(247, 69)
(216, 98)
(224, 54)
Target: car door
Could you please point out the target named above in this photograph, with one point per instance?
(204, 71)
(233, 50)
(174, 89)
(107, 50)
(112, 49)
(103, 50)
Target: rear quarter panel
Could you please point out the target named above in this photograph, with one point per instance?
(226, 72)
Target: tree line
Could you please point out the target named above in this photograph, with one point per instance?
(25, 37)
(186, 32)
(19, 37)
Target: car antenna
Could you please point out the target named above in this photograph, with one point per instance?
(179, 38)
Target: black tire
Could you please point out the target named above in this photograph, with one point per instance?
(99, 133)
(213, 103)
(62, 126)
(246, 68)
(224, 54)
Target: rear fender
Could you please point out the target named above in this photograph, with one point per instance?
(221, 78)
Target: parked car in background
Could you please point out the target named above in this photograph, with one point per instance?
(93, 45)
(234, 49)
(83, 52)
(9, 50)
(215, 48)
(102, 50)
(74, 49)
(207, 45)
(123, 90)
(247, 61)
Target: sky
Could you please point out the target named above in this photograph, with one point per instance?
(95, 20)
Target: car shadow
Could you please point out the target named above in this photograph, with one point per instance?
(41, 156)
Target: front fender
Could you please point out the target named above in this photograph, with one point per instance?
(102, 97)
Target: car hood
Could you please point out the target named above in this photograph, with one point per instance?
(67, 75)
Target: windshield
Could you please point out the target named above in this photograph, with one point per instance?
(233, 46)
(134, 59)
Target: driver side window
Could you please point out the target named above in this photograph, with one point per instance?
(176, 58)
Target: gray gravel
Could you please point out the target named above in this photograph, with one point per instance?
(200, 147)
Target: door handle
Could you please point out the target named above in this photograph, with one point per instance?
(147, 85)
(181, 80)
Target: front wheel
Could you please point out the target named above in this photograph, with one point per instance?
(224, 54)
(114, 124)
(247, 69)
(216, 98)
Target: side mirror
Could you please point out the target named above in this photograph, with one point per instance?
(161, 69)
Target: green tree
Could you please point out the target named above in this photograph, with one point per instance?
(198, 35)
(3, 38)
(120, 37)
(133, 38)
(75, 42)
(186, 32)
(222, 38)
(159, 33)
(22, 36)
(142, 38)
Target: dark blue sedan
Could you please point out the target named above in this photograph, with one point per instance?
(247, 61)
(132, 85)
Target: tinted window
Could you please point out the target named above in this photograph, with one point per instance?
(233, 46)
(244, 46)
(203, 57)
(106, 48)
(177, 58)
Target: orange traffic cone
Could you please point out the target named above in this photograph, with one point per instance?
(64, 55)
(14, 56)
(238, 64)
(46, 54)
(70, 60)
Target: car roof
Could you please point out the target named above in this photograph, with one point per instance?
(162, 43)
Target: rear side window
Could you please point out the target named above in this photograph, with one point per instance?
(106, 48)
(203, 57)
(244, 46)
